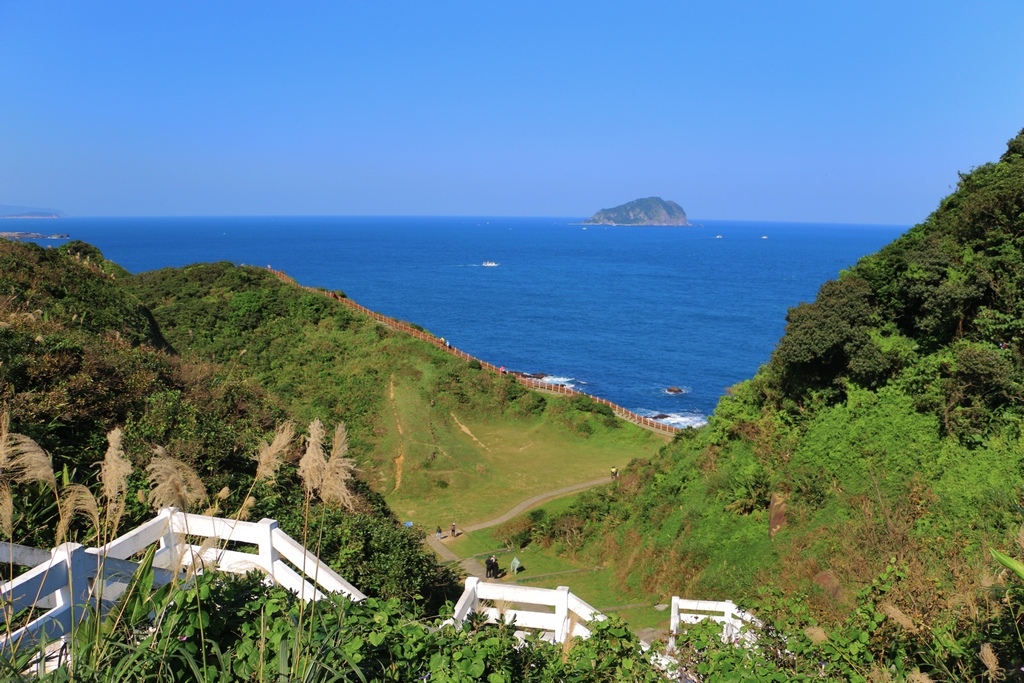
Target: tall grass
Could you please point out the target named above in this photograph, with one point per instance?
(161, 633)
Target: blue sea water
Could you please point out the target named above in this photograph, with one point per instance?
(618, 312)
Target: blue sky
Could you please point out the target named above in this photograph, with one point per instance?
(802, 111)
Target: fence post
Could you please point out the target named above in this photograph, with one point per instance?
(562, 615)
(169, 539)
(268, 553)
(673, 629)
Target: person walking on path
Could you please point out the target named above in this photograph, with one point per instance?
(437, 535)
(615, 473)
(453, 529)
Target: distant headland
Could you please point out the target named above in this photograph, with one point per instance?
(28, 212)
(650, 211)
(31, 236)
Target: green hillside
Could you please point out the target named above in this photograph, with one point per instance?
(229, 353)
(437, 436)
(882, 438)
(81, 356)
(199, 402)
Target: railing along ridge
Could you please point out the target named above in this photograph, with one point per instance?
(530, 382)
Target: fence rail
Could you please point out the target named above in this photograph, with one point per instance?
(567, 619)
(736, 623)
(530, 382)
(73, 579)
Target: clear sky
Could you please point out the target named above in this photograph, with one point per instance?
(803, 111)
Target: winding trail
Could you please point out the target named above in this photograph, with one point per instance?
(536, 500)
(471, 565)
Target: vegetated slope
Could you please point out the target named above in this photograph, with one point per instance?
(80, 356)
(885, 428)
(77, 358)
(412, 409)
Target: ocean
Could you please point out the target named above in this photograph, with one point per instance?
(623, 313)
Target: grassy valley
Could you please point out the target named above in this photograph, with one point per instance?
(435, 435)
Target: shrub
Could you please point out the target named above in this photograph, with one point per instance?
(515, 533)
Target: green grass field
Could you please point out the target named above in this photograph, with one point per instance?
(435, 466)
(544, 568)
(474, 469)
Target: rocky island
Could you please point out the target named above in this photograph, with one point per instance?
(650, 211)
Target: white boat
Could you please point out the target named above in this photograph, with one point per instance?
(490, 264)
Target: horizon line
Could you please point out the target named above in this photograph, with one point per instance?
(695, 223)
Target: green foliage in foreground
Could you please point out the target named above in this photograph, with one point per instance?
(229, 628)
(222, 628)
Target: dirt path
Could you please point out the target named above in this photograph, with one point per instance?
(471, 435)
(471, 565)
(536, 500)
(400, 460)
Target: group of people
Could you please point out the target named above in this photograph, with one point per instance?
(493, 570)
(439, 536)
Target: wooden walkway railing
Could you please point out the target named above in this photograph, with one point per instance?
(530, 382)
(526, 607)
(71, 579)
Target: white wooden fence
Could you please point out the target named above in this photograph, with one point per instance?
(72, 579)
(736, 623)
(66, 582)
(557, 613)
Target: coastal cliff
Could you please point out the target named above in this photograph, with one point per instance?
(649, 211)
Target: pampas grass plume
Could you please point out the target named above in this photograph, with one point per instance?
(246, 509)
(6, 511)
(76, 499)
(114, 472)
(816, 634)
(313, 464)
(270, 456)
(172, 483)
(339, 470)
(991, 662)
(896, 614)
(22, 460)
(115, 468)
